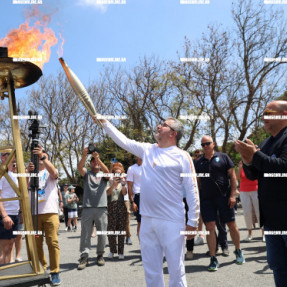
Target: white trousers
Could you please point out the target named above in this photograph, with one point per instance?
(248, 199)
(160, 237)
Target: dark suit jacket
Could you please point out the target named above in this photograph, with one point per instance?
(272, 191)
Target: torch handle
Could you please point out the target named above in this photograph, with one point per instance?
(80, 90)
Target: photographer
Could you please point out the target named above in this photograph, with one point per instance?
(117, 211)
(48, 219)
(94, 206)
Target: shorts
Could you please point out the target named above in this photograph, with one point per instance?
(72, 213)
(8, 234)
(137, 202)
(210, 207)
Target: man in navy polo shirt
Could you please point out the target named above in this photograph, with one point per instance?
(217, 197)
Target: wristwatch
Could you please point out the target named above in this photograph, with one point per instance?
(131, 201)
(43, 158)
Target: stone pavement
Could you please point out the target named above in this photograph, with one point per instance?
(130, 272)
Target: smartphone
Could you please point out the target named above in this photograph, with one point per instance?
(114, 160)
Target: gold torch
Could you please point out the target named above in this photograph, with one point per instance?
(80, 90)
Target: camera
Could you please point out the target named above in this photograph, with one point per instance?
(92, 148)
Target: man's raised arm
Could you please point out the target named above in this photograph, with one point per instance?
(121, 140)
(81, 165)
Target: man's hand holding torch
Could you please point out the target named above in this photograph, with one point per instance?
(95, 119)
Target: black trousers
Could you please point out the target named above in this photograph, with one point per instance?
(190, 242)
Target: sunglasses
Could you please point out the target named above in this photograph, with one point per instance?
(269, 112)
(165, 125)
(206, 144)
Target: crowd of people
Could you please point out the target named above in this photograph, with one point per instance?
(171, 194)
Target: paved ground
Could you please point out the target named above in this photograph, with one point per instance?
(254, 272)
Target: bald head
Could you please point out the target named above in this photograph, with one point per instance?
(274, 126)
(206, 139)
(207, 145)
(279, 105)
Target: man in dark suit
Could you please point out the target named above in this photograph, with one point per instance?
(268, 164)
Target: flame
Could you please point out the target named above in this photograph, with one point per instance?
(60, 48)
(31, 43)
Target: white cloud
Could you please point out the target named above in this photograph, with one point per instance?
(93, 3)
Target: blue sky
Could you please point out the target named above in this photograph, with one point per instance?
(138, 28)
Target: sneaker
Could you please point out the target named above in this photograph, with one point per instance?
(111, 255)
(19, 259)
(213, 266)
(121, 256)
(69, 229)
(248, 238)
(225, 252)
(83, 262)
(129, 241)
(239, 256)
(189, 255)
(55, 279)
(199, 241)
(100, 260)
(75, 228)
(263, 238)
(66, 228)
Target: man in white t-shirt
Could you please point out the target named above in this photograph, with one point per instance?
(9, 218)
(134, 180)
(165, 170)
(48, 219)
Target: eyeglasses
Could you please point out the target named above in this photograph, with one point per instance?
(164, 124)
(206, 144)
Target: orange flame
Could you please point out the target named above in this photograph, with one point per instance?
(31, 43)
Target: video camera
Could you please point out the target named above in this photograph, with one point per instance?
(35, 131)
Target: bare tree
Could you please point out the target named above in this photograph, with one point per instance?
(69, 126)
(261, 34)
(234, 86)
(208, 80)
